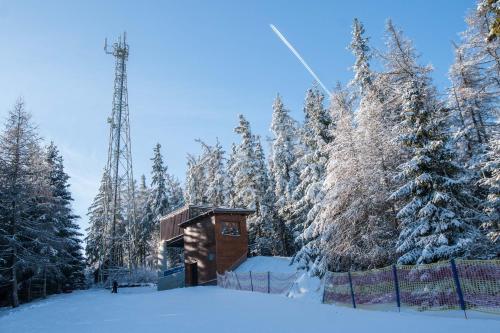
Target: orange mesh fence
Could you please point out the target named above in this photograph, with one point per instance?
(460, 284)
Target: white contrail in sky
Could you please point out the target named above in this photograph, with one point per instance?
(294, 51)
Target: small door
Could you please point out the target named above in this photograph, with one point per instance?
(191, 274)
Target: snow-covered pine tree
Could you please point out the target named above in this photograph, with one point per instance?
(333, 236)
(174, 192)
(315, 135)
(284, 152)
(249, 177)
(195, 177)
(473, 109)
(158, 203)
(491, 183)
(438, 218)
(214, 174)
(22, 236)
(484, 52)
(70, 259)
(376, 138)
(244, 166)
(230, 179)
(141, 231)
(96, 246)
(262, 220)
(438, 214)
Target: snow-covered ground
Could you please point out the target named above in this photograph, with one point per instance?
(213, 309)
(217, 310)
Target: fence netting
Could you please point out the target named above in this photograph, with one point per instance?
(459, 284)
(264, 282)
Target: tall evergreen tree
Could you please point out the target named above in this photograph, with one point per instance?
(315, 135)
(70, 257)
(250, 182)
(22, 237)
(96, 246)
(158, 202)
(284, 152)
(195, 177)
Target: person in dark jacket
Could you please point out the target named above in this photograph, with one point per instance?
(115, 288)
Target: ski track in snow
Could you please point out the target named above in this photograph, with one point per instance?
(213, 309)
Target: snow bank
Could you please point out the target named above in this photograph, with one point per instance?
(305, 287)
(267, 264)
(214, 310)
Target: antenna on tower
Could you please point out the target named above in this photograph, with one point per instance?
(120, 196)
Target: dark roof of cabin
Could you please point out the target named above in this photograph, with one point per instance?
(182, 208)
(218, 210)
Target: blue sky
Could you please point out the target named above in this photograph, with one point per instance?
(193, 67)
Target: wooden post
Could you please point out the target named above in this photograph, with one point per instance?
(251, 282)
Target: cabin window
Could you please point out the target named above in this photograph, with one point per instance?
(230, 228)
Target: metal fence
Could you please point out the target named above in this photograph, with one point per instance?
(264, 282)
(456, 284)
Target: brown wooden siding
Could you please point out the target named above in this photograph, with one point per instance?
(230, 250)
(169, 226)
(199, 247)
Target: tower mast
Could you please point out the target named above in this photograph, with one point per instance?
(120, 215)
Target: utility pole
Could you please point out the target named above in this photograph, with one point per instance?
(120, 196)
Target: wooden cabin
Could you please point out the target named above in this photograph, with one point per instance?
(214, 240)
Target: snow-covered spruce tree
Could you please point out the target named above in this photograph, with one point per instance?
(158, 203)
(484, 52)
(262, 221)
(49, 248)
(335, 233)
(230, 172)
(284, 152)
(315, 135)
(96, 246)
(250, 183)
(438, 218)
(376, 138)
(174, 192)
(491, 183)
(214, 174)
(22, 236)
(473, 108)
(141, 231)
(195, 177)
(70, 261)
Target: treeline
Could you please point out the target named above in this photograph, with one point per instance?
(392, 170)
(40, 245)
